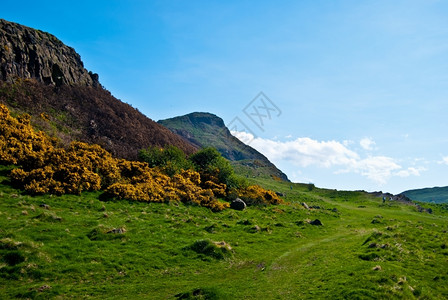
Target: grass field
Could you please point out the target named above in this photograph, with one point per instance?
(82, 247)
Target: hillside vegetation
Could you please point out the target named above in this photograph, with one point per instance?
(45, 167)
(433, 195)
(87, 114)
(79, 246)
(101, 243)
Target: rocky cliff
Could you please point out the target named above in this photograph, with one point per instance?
(29, 53)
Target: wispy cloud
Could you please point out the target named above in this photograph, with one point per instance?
(367, 144)
(411, 171)
(306, 152)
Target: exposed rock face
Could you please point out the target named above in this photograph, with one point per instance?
(29, 53)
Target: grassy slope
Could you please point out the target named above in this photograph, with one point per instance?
(66, 248)
(434, 195)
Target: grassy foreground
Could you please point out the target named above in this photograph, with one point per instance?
(82, 247)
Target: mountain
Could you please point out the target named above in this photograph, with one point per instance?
(435, 194)
(41, 76)
(206, 129)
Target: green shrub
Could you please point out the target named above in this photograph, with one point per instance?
(170, 159)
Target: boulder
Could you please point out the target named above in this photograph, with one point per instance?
(316, 222)
(238, 204)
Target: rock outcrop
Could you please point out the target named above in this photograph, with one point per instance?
(29, 53)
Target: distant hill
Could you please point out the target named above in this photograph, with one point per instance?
(41, 76)
(434, 195)
(206, 129)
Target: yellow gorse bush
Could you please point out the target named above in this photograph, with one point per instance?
(255, 194)
(19, 143)
(46, 168)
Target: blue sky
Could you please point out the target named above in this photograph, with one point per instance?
(360, 87)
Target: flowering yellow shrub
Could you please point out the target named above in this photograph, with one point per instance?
(19, 143)
(255, 194)
(219, 189)
(150, 184)
(46, 168)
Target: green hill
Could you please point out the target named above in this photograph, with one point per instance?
(206, 129)
(434, 195)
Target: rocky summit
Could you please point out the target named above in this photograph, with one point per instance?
(29, 53)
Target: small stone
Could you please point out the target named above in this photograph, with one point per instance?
(117, 230)
(44, 206)
(223, 244)
(377, 268)
(256, 228)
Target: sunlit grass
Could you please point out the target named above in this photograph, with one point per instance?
(79, 246)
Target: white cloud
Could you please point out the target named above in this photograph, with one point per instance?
(377, 168)
(411, 171)
(305, 152)
(301, 151)
(444, 160)
(367, 144)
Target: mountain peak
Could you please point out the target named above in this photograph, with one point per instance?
(29, 53)
(204, 118)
